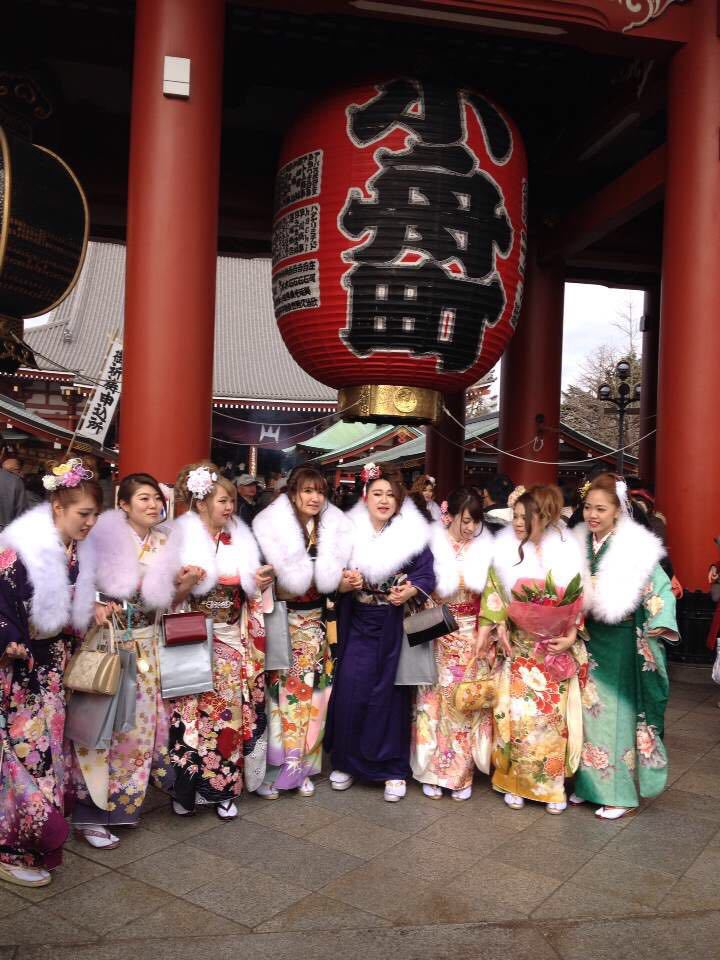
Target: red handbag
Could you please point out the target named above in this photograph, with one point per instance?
(182, 628)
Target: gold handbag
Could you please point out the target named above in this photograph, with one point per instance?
(94, 671)
(478, 694)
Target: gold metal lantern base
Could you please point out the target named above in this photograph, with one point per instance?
(390, 403)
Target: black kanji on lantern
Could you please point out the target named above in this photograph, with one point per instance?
(429, 199)
(421, 310)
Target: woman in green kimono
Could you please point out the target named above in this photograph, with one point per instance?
(629, 606)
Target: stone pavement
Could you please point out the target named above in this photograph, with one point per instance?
(348, 875)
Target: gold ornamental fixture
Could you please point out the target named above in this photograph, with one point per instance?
(390, 403)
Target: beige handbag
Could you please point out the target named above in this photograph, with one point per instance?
(95, 671)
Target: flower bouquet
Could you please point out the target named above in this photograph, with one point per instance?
(545, 611)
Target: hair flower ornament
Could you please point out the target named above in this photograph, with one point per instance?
(515, 495)
(67, 475)
(370, 472)
(200, 482)
(621, 489)
(431, 480)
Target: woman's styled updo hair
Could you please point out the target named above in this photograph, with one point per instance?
(185, 496)
(462, 499)
(606, 483)
(543, 504)
(419, 483)
(549, 502)
(66, 496)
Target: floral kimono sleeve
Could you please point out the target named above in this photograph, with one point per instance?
(659, 603)
(493, 606)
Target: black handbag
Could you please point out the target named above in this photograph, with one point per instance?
(428, 624)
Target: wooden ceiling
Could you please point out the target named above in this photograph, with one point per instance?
(586, 114)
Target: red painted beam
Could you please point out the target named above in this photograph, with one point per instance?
(635, 191)
(518, 17)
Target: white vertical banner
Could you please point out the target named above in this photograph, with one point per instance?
(102, 403)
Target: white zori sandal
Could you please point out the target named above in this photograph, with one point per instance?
(514, 801)
(267, 791)
(431, 791)
(24, 876)
(614, 813)
(340, 780)
(463, 794)
(306, 788)
(556, 807)
(98, 837)
(227, 810)
(395, 790)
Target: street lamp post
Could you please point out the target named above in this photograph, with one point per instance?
(622, 401)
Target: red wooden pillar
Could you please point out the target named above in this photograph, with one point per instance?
(444, 452)
(688, 440)
(531, 376)
(171, 238)
(648, 397)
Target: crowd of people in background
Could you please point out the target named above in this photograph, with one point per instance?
(518, 632)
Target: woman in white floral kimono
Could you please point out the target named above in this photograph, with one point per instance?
(110, 784)
(537, 714)
(629, 607)
(447, 745)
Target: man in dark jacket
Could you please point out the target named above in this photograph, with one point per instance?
(247, 491)
(12, 497)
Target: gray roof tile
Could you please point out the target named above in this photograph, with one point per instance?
(251, 360)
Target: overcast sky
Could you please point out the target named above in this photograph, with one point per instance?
(590, 311)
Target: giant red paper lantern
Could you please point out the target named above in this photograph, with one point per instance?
(399, 243)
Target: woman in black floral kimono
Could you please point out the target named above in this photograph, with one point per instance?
(46, 594)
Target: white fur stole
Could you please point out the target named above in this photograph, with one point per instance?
(379, 555)
(624, 569)
(35, 539)
(282, 542)
(558, 552)
(118, 568)
(190, 544)
(475, 561)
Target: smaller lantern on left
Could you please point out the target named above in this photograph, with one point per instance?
(43, 238)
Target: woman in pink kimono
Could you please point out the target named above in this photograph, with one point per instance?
(447, 745)
(110, 784)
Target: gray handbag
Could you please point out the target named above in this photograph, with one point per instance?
(90, 719)
(278, 648)
(186, 669)
(416, 666)
(127, 693)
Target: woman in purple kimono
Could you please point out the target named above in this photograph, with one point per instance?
(368, 728)
(47, 593)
